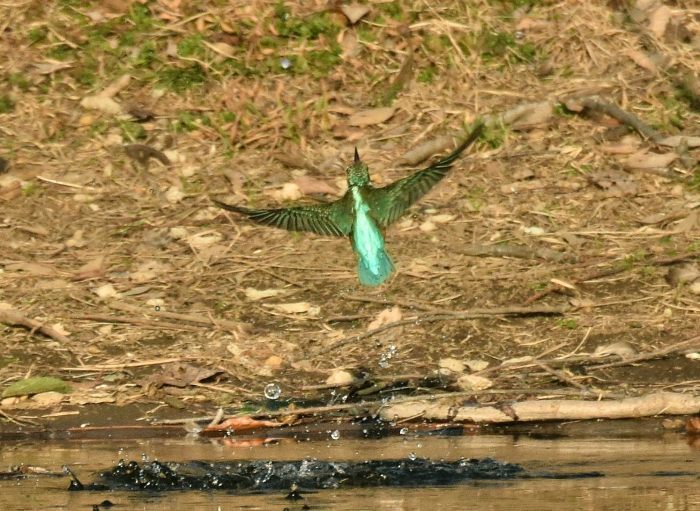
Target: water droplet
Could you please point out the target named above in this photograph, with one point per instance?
(285, 63)
(335, 435)
(272, 391)
(412, 456)
(403, 431)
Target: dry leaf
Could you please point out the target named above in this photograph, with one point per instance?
(354, 12)
(451, 365)
(647, 160)
(622, 349)
(442, 219)
(260, 294)
(91, 269)
(309, 185)
(642, 60)
(342, 378)
(182, 375)
(106, 291)
(476, 365)
(205, 239)
(174, 195)
(273, 362)
(289, 192)
(615, 182)
(528, 115)
(678, 140)
(658, 20)
(31, 268)
(473, 382)
(242, 424)
(48, 398)
(295, 308)
(51, 66)
(102, 103)
(682, 274)
(386, 316)
(427, 226)
(372, 116)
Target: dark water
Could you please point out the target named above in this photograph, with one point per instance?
(638, 474)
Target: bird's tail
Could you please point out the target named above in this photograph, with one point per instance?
(374, 268)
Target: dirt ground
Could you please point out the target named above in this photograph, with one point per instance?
(120, 119)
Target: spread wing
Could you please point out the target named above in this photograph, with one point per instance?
(390, 202)
(326, 219)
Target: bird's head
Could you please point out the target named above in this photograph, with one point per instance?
(358, 172)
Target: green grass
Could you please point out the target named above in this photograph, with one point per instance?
(181, 79)
(6, 104)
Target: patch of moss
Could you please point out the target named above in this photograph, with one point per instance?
(568, 323)
(191, 46)
(323, 61)
(19, 80)
(147, 55)
(61, 52)
(427, 74)
(37, 35)
(309, 27)
(494, 135)
(503, 45)
(132, 131)
(140, 15)
(392, 9)
(6, 104)
(181, 79)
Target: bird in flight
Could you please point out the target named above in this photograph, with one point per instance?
(362, 212)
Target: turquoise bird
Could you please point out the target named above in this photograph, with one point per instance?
(362, 212)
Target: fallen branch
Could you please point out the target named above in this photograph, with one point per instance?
(607, 272)
(660, 403)
(15, 318)
(614, 111)
(509, 250)
(151, 323)
(191, 318)
(440, 316)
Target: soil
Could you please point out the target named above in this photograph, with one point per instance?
(162, 300)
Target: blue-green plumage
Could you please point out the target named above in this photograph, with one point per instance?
(373, 263)
(361, 212)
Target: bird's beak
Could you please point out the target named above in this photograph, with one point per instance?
(357, 156)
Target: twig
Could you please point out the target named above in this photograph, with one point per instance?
(192, 318)
(559, 375)
(110, 367)
(607, 272)
(614, 111)
(444, 316)
(509, 250)
(16, 318)
(105, 318)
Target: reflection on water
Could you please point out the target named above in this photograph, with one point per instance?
(642, 474)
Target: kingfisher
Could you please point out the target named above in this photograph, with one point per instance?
(362, 212)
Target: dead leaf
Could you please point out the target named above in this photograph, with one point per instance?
(342, 378)
(260, 294)
(615, 182)
(678, 140)
(451, 365)
(174, 195)
(222, 48)
(427, 226)
(48, 398)
(295, 308)
(622, 349)
(647, 160)
(51, 66)
(289, 192)
(476, 365)
(689, 223)
(32, 268)
(274, 362)
(371, 116)
(528, 115)
(473, 382)
(442, 219)
(182, 375)
(354, 12)
(239, 424)
(309, 186)
(102, 103)
(91, 269)
(106, 291)
(385, 317)
(658, 20)
(642, 60)
(204, 239)
(682, 274)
